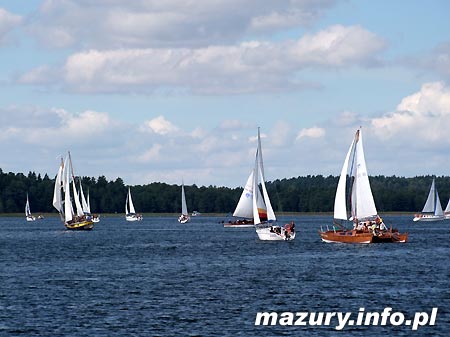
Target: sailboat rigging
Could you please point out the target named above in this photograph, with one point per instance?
(184, 217)
(368, 226)
(28, 214)
(73, 218)
(432, 210)
(130, 212)
(264, 218)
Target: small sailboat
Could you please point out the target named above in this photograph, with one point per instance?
(244, 208)
(432, 211)
(130, 212)
(263, 215)
(95, 217)
(73, 218)
(447, 210)
(184, 217)
(368, 226)
(28, 214)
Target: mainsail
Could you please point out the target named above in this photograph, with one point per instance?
(433, 204)
(129, 206)
(260, 214)
(184, 210)
(27, 208)
(362, 202)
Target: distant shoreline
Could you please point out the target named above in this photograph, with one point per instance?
(155, 215)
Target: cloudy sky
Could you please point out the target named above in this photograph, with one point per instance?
(152, 90)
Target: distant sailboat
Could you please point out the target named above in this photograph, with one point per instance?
(86, 205)
(263, 215)
(184, 217)
(368, 226)
(130, 212)
(447, 210)
(432, 211)
(73, 218)
(28, 214)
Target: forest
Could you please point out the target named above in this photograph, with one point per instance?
(312, 193)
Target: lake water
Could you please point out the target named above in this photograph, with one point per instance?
(160, 278)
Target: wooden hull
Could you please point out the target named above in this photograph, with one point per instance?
(80, 226)
(239, 224)
(353, 236)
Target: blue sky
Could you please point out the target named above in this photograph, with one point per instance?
(160, 91)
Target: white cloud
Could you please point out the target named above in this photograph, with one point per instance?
(160, 125)
(236, 69)
(173, 23)
(314, 132)
(8, 22)
(425, 116)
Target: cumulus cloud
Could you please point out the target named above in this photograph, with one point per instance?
(159, 125)
(173, 23)
(8, 22)
(237, 69)
(425, 114)
(314, 132)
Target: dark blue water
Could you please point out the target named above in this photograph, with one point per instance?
(160, 278)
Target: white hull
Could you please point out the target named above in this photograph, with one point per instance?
(133, 217)
(95, 220)
(183, 219)
(31, 218)
(265, 234)
(429, 218)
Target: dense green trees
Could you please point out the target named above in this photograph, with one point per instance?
(301, 194)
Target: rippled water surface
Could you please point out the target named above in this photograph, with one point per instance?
(160, 278)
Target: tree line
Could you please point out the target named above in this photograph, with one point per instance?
(312, 193)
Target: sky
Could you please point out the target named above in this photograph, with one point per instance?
(165, 91)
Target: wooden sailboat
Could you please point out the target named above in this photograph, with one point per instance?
(130, 212)
(184, 217)
(263, 215)
(432, 211)
(368, 226)
(73, 218)
(28, 214)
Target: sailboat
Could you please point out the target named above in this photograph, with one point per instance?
(130, 212)
(244, 208)
(368, 226)
(184, 217)
(447, 210)
(95, 217)
(264, 218)
(73, 218)
(432, 211)
(86, 206)
(28, 214)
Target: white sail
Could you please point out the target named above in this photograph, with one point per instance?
(184, 210)
(438, 210)
(260, 202)
(365, 205)
(362, 202)
(340, 208)
(84, 204)
(76, 198)
(68, 211)
(244, 208)
(27, 208)
(430, 203)
(57, 196)
(447, 209)
(88, 203)
(129, 201)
